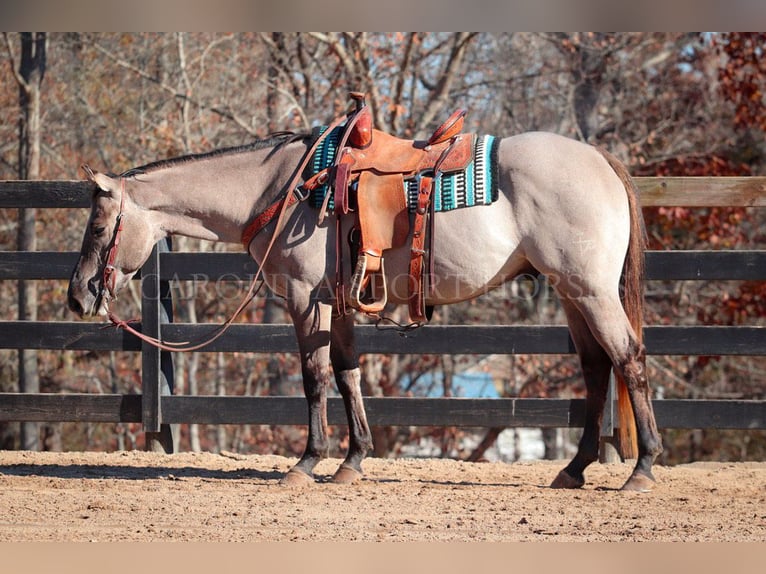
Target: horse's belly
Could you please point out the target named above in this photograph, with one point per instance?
(475, 251)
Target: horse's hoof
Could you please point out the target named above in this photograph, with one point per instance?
(295, 478)
(564, 480)
(346, 475)
(639, 483)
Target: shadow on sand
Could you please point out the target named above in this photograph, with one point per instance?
(118, 472)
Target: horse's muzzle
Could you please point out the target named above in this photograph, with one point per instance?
(83, 303)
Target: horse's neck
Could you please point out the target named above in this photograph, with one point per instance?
(216, 197)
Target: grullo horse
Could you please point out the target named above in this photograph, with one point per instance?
(564, 209)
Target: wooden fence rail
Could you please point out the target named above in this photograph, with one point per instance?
(155, 407)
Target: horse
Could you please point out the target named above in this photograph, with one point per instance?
(564, 209)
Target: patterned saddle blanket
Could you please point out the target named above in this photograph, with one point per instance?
(474, 185)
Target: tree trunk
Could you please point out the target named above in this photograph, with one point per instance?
(553, 444)
(193, 366)
(276, 380)
(486, 443)
(448, 434)
(272, 94)
(29, 76)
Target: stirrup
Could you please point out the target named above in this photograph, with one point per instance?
(375, 282)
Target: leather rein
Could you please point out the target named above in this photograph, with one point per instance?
(276, 211)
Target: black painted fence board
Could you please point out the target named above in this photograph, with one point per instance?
(501, 412)
(660, 265)
(706, 265)
(655, 192)
(50, 407)
(37, 264)
(435, 339)
(65, 336)
(151, 373)
(45, 194)
(718, 414)
(389, 411)
(705, 340)
(231, 266)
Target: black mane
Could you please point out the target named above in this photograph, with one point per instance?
(273, 141)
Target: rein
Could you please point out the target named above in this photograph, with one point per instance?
(277, 210)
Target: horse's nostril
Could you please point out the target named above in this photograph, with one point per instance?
(75, 306)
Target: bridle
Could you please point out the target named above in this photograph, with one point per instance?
(109, 278)
(276, 211)
(108, 287)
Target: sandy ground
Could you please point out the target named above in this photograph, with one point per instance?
(141, 496)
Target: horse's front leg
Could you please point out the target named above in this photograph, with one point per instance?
(312, 327)
(345, 364)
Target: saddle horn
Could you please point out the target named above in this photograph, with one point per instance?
(360, 135)
(359, 99)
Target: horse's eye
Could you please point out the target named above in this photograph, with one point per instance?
(98, 230)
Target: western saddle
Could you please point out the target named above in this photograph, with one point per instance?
(368, 177)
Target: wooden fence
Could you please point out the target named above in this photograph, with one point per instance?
(155, 407)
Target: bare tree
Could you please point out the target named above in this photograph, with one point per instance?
(28, 69)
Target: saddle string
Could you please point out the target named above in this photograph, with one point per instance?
(257, 282)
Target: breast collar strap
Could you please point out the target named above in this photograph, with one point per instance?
(292, 197)
(268, 215)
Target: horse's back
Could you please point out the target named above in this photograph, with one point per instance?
(543, 168)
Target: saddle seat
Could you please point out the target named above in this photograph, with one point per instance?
(379, 163)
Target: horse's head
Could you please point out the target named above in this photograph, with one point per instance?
(117, 241)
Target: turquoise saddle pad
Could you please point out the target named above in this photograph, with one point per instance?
(475, 185)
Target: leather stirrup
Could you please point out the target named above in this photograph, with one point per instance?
(375, 281)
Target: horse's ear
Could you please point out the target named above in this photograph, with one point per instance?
(88, 172)
(103, 181)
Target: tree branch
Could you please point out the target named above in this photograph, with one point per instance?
(14, 69)
(172, 91)
(441, 91)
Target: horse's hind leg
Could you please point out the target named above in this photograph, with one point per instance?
(312, 326)
(348, 378)
(596, 367)
(609, 325)
(633, 370)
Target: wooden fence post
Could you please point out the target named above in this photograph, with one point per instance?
(156, 365)
(608, 451)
